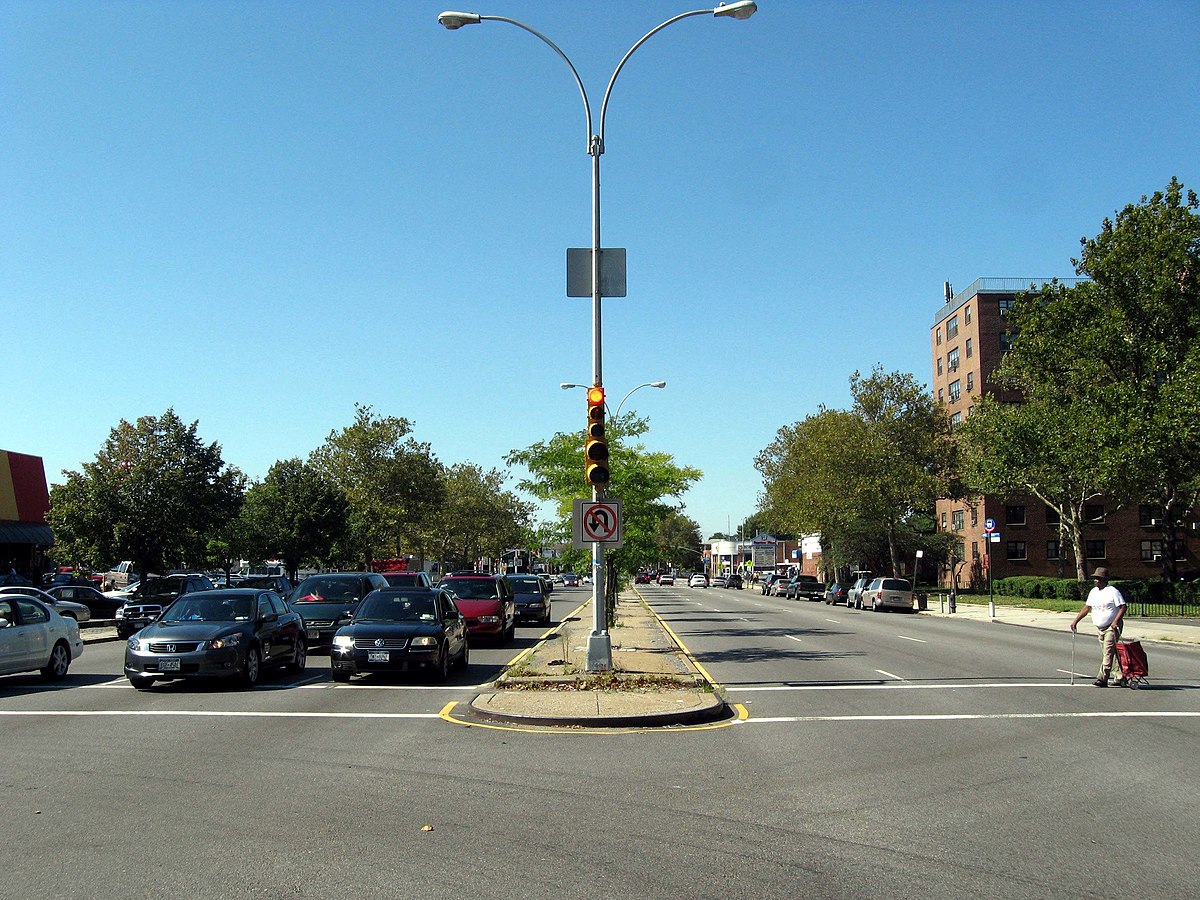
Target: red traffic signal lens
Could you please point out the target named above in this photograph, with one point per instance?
(595, 396)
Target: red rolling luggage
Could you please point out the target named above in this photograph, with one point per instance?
(1134, 667)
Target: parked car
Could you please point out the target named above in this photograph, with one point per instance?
(118, 577)
(280, 584)
(487, 603)
(641, 578)
(124, 593)
(153, 595)
(734, 581)
(808, 587)
(35, 637)
(698, 580)
(233, 633)
(531, 597)
(888, 593)
(854, 593)
(401, 630)
(769, 581)
(418, 580)
(101, 607)
(68, 608)
(835, 593)
(720, 581)
(326, 602)
(666, 578)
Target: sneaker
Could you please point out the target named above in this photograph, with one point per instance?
(1100, 682)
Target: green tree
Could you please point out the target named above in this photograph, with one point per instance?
(643, 480)
(153, 494)
(391, 482)
(477, 517)
(678, 539)
(294, 514)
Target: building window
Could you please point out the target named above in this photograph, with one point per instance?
(974, 550)
(956, 519)
(939, 337)
(1094, 550)
(952, 359)
(1005, 305)
(1016, 550)
(970, 382)
(955, 390)
(939, 366)
(941, 396)
(943, 520)
(1149, 516)
(1006, 341)
(970, 348)
(952, 327)
(1014, 515)
(1052, 516)
(1151, 551)
(956, 418)
(1051, 549)
(967, 316)
(1093, 513)
(960, 550)
(974, 516)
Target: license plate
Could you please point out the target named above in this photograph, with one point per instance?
(378, 656)
(168, 665)
(314, 634)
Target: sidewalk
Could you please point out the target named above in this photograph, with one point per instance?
(1135, 628)
(654, 683)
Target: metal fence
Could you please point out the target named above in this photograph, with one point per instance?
(1181, 608)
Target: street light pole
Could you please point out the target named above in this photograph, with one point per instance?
(599, 655)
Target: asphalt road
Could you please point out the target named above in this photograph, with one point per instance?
(882, 755)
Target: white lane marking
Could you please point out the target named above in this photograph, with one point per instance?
(315, 684)
(903, 686)
(915, 640)
(954, 717)
(889, 675)
(215, 714)
(1069, 672)
(834, 621)
(791, 637)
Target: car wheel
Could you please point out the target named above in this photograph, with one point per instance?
(60, 660)
(141, 682)
(511, 631)
(252, 669)
(299, 658)
(464, 659)
(443, 664)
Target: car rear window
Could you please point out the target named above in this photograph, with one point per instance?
(326, 590)
(471, 588)
(896, 584)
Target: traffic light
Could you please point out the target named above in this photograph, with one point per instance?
(595, 447)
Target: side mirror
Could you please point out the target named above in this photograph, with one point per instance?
(4, 623)
(270, 617)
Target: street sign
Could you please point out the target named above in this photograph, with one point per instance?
(596, 522)
(989, 525)
(994, 537)
(612, 272)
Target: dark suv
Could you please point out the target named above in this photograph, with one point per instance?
(153, 595)
(418, 580)
(326, 602)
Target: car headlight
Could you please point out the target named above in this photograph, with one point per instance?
(423, 642)
(134, 644)
(120, 613)
(230, 640)
(489, 620)
(343, 641)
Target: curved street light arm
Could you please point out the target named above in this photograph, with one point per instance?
(587, 107)
(656, 384)
(625, 59)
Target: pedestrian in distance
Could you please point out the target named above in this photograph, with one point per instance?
(1108, 610)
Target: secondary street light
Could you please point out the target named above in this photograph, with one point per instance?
(599, 657)
(567, 385)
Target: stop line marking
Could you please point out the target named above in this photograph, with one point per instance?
(214, 714)
(900, 686)
(955, 717)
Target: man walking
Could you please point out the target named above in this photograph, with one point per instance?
(1108, 609)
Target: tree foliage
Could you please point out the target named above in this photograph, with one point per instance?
(153, 494)
(391, 482)
(477, 517)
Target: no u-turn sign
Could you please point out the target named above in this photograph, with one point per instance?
(596, 522)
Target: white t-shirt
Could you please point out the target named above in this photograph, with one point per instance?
(1104, 602)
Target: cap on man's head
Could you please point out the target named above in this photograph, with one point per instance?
(1101, 573)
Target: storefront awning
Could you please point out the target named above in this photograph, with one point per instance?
(26, 533)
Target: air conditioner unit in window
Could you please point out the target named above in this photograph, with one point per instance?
(1155, 522)
(953, 367)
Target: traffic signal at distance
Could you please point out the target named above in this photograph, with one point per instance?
(595, 447)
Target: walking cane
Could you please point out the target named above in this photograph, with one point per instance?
(1072, 657)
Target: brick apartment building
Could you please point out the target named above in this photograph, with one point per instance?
(967, 341)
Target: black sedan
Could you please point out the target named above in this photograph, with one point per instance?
(231, 633)
(102, 607)
(401, 630)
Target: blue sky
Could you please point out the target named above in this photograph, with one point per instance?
(262, 213)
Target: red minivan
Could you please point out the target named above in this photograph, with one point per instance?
(486, 602)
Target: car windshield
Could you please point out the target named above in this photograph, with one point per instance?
(164, 587)
(396, 608)
(328, 590)
(401, 579)
(471, 588)
(207, 607)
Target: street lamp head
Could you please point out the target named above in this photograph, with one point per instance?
(451, 20)
(743, 9)
(658, 384)
(567, 385)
